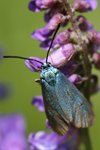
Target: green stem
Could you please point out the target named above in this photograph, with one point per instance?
(86, 138)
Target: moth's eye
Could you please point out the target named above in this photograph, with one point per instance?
(48, 64)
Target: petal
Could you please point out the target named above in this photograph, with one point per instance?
(43, 140)
(61, 56)
(84, 24)
(38, 103)
(85, 5)
(33, 65)
(12, 129)
(52, 141)
(94, 37)
(5, 91)
(93, 4)
(42, 34)
(75, 79)
(60, 39)
(96, 60)
(32, 6)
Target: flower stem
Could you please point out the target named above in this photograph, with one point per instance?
(86, 138)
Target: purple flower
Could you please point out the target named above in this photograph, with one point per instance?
(94, 41)
(12, 133)
(46, 43)
(61, 39)
(92, 3)
(44, 4)
(58, 58)
(37, 5)
(85, 5)
(4, 91)
(69, 68)
(96, 59)
(58, 7)
(61, 56)
(94, 37)
(52, 141)
(34, 65)
(43, 33)
(48, 124)
(76, 79)
(84, 24)
(58, 18)
(32, 6)
(38, 103)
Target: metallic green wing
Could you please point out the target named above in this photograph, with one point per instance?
(54, 112)
(78, 109)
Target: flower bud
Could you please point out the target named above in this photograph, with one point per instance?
(94, 37)
(75, 79)
(61, 39)
(55, 20)
(85, 5)
(32, 6)
(33, 65)
(42, 34)
(38, 103)
(5, 91)
(61, 56)
(44, 4)
(69, 68)
(96, 60)
(84, 24)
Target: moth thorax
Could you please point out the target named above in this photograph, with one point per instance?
(50, 77)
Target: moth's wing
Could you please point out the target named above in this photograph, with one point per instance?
(77, 108)
(55, 114)
(56, 121)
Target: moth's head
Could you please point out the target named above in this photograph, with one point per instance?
(46, 65)
(48, 73)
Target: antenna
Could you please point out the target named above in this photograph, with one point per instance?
(52, 41)
(20, 57)
(25, 58)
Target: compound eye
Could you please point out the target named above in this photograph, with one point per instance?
(48, 64)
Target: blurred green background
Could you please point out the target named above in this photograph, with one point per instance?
(16, 25)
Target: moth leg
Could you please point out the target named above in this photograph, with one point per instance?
(38, 81)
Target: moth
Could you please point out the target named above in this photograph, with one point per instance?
(65, 105)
